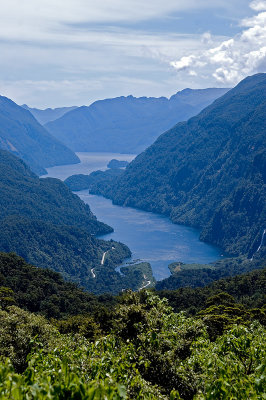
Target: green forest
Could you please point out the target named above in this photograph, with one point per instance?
(132, 346)
(198, 275)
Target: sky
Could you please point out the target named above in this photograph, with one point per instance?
(56, 53)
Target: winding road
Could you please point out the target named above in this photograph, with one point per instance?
(104, 255)
(102, 261)
(147, 284)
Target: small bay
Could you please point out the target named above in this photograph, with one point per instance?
(150, 237)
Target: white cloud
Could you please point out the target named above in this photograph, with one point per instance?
(258, 5)
(235, 58)
(206, 38)
(183, 63)
(59, 20)
(88, 65)
(77, 11)
(56, 52)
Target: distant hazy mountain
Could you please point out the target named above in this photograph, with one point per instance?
(22, 135)
(208, 172)
(48, 114)
(128, 124)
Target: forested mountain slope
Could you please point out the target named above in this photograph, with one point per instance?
(23, 193)
(22, 135)
(207, 172)
(248, 289)
(43, 221)
(127, 124)
(46, 292)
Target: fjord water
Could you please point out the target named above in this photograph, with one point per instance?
(150, 237)
(89, 162)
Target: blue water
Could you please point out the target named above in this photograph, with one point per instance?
(89, 162)
(150, 237)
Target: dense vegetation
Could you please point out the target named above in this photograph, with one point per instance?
(46, 292)
(22, 135)
(146, 352)
(23, 193)
(44, 222)
(199, 275)
(248, 289)
(208, 172)
(81, 181)
(66, 249)
(117, 163)
(127, 124)
(133, 346)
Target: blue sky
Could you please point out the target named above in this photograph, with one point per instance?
(73, 52)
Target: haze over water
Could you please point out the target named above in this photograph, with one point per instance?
(150, 237)
(89, 162)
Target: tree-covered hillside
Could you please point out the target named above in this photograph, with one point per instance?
(248, 289)
(22, 135)
(47, 199)
(128, 124)
(134, 346)
(44, 291)
(208, 172)
(199, 275)
(43, 221)
(81, 181)
(66, 249)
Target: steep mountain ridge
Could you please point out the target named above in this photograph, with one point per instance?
(48, 199)
(47, 114)
(127, 124)
(207, 172)
(22, 135)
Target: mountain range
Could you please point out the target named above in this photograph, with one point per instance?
(48, 114)
(127, 124)
(21, 134)
(208, 172)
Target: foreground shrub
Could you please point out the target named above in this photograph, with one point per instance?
(151, 353)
